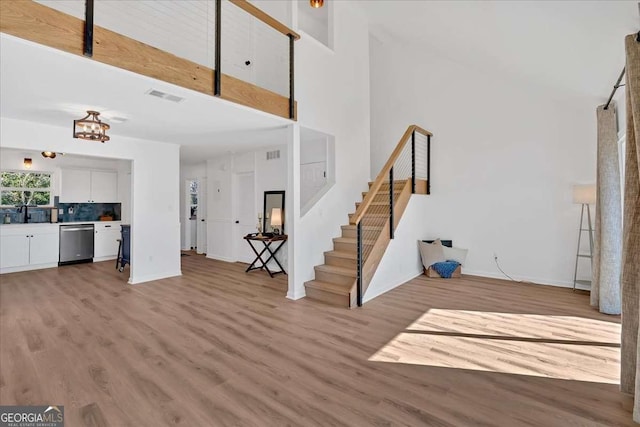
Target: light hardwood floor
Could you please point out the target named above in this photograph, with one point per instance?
(219, 347)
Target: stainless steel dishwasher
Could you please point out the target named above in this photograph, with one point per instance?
(76, 243)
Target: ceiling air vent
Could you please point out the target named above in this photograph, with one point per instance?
(272, 155)
(163, 95)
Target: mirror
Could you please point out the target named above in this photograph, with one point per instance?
(273, 220)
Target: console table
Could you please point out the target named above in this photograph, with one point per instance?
(277, 240)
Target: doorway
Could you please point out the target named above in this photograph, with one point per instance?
(196, 225)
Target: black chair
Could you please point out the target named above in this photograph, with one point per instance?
(124, 250)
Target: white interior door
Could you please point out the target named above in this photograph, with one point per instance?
(201, 228)
(245, 214)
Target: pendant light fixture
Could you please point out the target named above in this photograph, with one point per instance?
(27, 163)
(91, 128)
(49, 154)
(316, 4)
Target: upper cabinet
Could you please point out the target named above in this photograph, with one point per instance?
(75, 186)
(82, 186)
(104, 187)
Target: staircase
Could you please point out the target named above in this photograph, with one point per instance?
(350, 266)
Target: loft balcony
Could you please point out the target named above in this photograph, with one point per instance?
(224, 48)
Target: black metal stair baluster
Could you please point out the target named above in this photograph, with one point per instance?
(292, 101)
(413, 162)
(428, 164)
(88, 28)
(217, 73)
(391, 223)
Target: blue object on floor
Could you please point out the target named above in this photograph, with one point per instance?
(445, 269)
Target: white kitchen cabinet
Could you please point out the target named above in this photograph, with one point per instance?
(44, 247)
(104, 187)
(88, 186)
(14, 250)
(75, 186)
(25, 247)
(105, 244)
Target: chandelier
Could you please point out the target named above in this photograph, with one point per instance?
(91, 128)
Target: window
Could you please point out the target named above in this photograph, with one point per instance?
(25, 188)
(193, 199)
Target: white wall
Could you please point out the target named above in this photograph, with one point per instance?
(269, 175)
(155, 239)
(401, 261)
(332, 89)
(315, 22)
(504, 158)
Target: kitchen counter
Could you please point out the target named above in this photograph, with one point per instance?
(41, 224)
(30, 224)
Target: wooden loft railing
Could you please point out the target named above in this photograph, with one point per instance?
(38, 23)
(406, 172)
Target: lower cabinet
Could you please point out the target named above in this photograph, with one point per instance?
(14, 250)
(22, 246)
(106, 241)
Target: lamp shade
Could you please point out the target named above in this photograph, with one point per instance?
(584, 194)
(276, 217)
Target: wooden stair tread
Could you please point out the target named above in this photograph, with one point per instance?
(329, 287)
(373, 215)
(342, 254)
(376, 203)
(395, 182)
(352, 240)
(337, 270)
(364, 227)
(385, 192)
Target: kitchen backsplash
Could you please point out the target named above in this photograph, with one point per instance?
(71, 212)
(36, 215)
(74, 212)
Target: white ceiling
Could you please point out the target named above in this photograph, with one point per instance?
(574, 47)
(52, 87)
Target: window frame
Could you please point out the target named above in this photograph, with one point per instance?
(49, 189)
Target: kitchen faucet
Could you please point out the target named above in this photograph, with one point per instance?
(27, 217)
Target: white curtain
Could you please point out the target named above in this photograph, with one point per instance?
(607, 257)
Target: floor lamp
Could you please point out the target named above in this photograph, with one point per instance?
(584, 195)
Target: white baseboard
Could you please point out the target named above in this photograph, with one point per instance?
(152, 277)
(105, 258)
(27, 268)
(220, 258)
(296, 295)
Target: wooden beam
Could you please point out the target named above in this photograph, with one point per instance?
(267, 19)
(41, 24)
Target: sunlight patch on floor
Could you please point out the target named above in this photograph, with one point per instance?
(562, 347)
